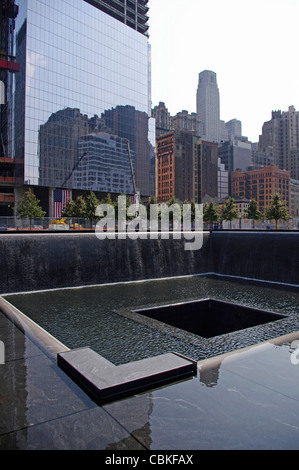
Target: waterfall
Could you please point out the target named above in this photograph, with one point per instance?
(269, 256)
(47, 261)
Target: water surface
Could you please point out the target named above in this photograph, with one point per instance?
(86, 316)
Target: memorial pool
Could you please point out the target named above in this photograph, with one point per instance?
(92, 316)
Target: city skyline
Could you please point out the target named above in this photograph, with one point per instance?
(251, 50)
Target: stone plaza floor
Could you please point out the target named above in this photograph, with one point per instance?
(245, 400)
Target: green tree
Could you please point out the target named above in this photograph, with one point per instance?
(121, 205)
(75, 208)
(29, 208)
(79, 207)
(173, 201)
(189, 211)
(152, 201)
(89, 209)
(229, 210)
(210, 212)
(253, 212)
(107, 200)
(153, 211)
(277, 209)
(69, 209)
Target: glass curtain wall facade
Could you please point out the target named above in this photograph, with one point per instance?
(82, 73)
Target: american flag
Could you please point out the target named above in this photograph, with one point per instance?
(60, 198)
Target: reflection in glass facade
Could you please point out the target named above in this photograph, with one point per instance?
(83, 89)
(104, 164)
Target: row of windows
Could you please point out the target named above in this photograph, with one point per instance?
(88, 104)
(78, 58)
(78, 16)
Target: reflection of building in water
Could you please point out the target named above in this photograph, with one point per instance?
(105, 165)
(77, 60)
(209, 377)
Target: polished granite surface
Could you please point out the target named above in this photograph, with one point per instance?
(248, 399)
(106, 382)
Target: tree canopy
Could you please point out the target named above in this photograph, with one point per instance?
(29, 207)
(210, 212)
(253, 212)
(229, 210)
(277, 209)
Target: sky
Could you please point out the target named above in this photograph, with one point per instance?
(251, 45)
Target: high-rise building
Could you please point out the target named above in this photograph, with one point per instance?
(208, 106)
(131, 12)
(212, 128)
(187, 167)
(280, 138)
(223, 181)
(261, 159)
(234, 129)
(206, 171)
(235, 155)
(82, 63)
(8, 67)
(294, 200)
(175, 166)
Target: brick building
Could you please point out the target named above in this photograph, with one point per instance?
(261, 185)
(175, 166)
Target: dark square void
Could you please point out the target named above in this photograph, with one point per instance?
(210, 317)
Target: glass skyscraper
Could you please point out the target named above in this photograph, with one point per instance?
(83, 90)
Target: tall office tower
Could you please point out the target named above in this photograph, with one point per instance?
(223, 181)
(235, 155)
(208, 106)
(261, 159)
(234, 129)
(280, 136)
(205, 171)
(8, 67)
(81, 61)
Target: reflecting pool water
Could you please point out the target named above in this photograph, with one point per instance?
(88, 316)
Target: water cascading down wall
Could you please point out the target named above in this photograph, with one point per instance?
(47, 261)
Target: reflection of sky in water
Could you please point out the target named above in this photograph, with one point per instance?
(84, 317)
